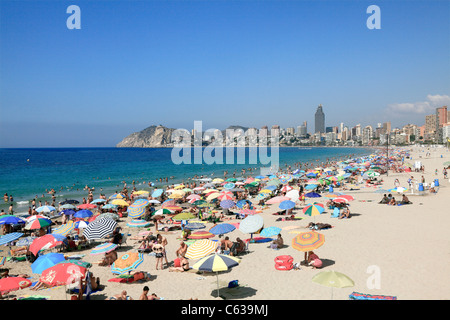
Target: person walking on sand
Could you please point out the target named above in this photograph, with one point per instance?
(159, 255)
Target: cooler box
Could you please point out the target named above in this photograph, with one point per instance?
(436, 182)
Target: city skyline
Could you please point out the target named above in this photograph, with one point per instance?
(248, 63)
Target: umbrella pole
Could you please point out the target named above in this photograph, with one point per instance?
(217, 276)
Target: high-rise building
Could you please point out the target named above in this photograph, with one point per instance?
(386, 127)
(430, 123)
(290, 131)
(441, 120)
(319, 120)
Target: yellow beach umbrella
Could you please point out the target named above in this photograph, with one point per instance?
(201, 248)
(119, 202)
(180, 186)
(333, 279)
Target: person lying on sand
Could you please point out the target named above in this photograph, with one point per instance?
(319, 226)
(109, 258)
(181, 267)
(122, 296)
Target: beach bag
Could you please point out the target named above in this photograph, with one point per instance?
(233, 284)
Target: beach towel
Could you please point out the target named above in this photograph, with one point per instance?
(33, 297)
(2, 261)
(363, 296)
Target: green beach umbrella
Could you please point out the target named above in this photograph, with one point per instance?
(184, 216)
(333, 279)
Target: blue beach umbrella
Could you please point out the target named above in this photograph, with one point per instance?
(222, 228)
(103, 248)
(312, 195)
(138, 223)
(46, 261)
(68, 212)
(98, 201)
(286, 205)
(83, 214)
(311, 175)
(227, 204)
(270, 232)
(229, 185)
(25, 241)
(46, 209)
(109, 206)
(195, 226)
(11, 220)
(7, 238)
(157, 193)
(311, 186)
(241, 203)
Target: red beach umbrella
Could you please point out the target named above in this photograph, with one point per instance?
(62, 274)
(13, 283)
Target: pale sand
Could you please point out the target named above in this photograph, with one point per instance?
(409, 244)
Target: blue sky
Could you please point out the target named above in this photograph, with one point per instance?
(138, 63)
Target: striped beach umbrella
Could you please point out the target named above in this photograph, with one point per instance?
(216, 263)
(227, 204)
(127, 262)
(201, 248)
(137, 209)
(222, 228)
(247, 212)
(347, 196)
(46, 209)
(108, 215)
(308, 241)
(226, 195)
(103, 248)
(80, 224)
(116, 196)
(138, 223)
(7, 238)
(25, 242)
(46, 242)
(38, 223)
(200, 235)
(64, 229)
(340, 200)
(313, 209)
(286, 188)
(100, 228)
(161, 212)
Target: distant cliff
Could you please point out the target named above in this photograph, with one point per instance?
(160, 137)
(151, 137)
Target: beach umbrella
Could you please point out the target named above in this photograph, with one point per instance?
(227, 204)
(103, 248)
(77, 262)
(137, 209)
(127, 262)
(141, 192)
(212, 196)
(183, 216)
(46, 242)
(201, 248)
(11, 220)
(117, 196)
(177, 195)
(46, 261)
(100, 228)
(193, 196)
(120, 203)
(173, 208)
(286, 205)
(270, 232)
(381, 191)
(226, 195)
(218, 180)
(277, 199)
(45, 209)
(82, 214)
(80, 224)
(63, 274)
(308, 241)
(87, 206)
(251, 224)
(372, 174)
(108, 215)
(157, 193)
(110, 206)
(67, 206)
(229, 186)
(163, 211)
(399, 189)
(97, 201)
(293, 195)
(200, 235)
(311, 186)
(7, 238)
(9, 284)
(216, 263)
(340, 200)
(231, 180)
(262, 196)
(71, 202)
(312, 195)
(265, 191)
(138, 223)
(347, 196)
(64, 229)
(25, 242)
(38, 223)
(333, 279)
(154, 201)
(313, 210)
(194, 226)
(67, 212)
(222, 228)
(247, 212)
(241, 203)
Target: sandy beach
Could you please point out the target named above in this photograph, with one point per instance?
(407, 245)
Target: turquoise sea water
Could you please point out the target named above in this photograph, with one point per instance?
(25, 173)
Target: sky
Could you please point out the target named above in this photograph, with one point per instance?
(134, 64)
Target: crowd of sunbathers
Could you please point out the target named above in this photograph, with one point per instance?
(390, 200)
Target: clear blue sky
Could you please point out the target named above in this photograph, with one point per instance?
(138, 63)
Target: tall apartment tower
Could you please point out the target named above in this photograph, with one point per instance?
(319, 120)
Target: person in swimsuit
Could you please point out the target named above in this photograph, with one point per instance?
(158, 249)
(184, 266)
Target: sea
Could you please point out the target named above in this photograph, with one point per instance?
(30, 173)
